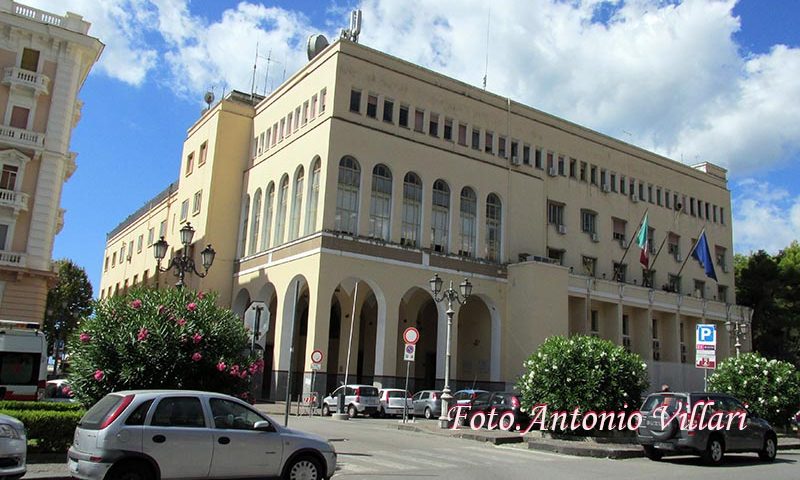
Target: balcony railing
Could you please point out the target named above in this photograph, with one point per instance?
(12, 259)
(21, 137)
(14, 199)
(16, 76)
(71, 21)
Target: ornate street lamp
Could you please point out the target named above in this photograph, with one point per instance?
(183, 264)
(739, 327)
(450, 295)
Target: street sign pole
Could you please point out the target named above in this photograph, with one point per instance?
(405, 394)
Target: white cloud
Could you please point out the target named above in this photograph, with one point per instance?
(765, 217)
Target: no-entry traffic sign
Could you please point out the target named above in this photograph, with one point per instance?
(411, 335)
(316, 356)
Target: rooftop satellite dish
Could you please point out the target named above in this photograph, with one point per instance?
(209, 98)
(316, 44)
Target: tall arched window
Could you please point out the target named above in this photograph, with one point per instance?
(412, 210)
(347, 196)
(255, 222)
(313, 197)
(494, 215)
(267, 227)
(280, 217)
(297, 204)
(380, 210)
(469, 212)
(440, 218)
(243, 231)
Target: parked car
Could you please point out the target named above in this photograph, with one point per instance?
(358, 399)
(501, 402)
(58, 391)
(394, 401)
(466, 397)
(427, 403)
(165, 434)
(657, 439)
(13, 448)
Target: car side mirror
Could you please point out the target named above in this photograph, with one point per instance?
(263, 426)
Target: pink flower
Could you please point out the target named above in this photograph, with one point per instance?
(235, 370)
(256, 367)
(201, 295)
(197, 357)
(143, 333)
(99, 375)
(67, 391)
(243, 374)
(161, 309)
(221, 366)
(136, 304)
(191, 307)
(181, 321)
(197, 338)
(85, 337)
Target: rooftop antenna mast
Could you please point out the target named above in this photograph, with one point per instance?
(354, 31)
(255, 64)
(266, 75)
(486, 69)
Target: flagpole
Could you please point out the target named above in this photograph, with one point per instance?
(691, 251)
(630, 242)
(666, 237)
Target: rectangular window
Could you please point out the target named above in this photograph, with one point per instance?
(501, 147)
(593, 175)
(641, 191)
(139, 243)
(355, 101)
(573, 168)
(113, 259)
(622, 185)
(674, 283)
(305, 112)
(556, 255)
(720, 254)
(626, 333)
(476, 138)
(433, 125)
(448, 129)
(691, 206)
(699, 289)
(198, 199)
(403, 120)
(8, 177)
(582, 171)
(715, 214)
(388, 111)
(603, 178)
(189, 163)
(184, 210)
(537, 158)
(19, 117)
(594, 324)
(650, 193)
(322, 94)
(30, 60)
(204, 152)
(274, 134)
(621, 271)
(620, 226)
(632, 187)
(658, 196)
(515, 152)
(289, 125)
(708, 211)
(526, 154)
(313, 107)
(282, 128)
(613, 181)
(419, 120)
(656, 343)
(488, 142)
(372, 106)
(562, 166)
(588, 222)
(151, 236)
(722, 215)
(162, 230)
(267, 136)
(589, 266)
(462, 134)
(722, 293)
(674, 246)
(105, 268)
(667, 197)
(296, 118)
(550, 162)
(555, 213)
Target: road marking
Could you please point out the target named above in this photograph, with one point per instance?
(413, 456)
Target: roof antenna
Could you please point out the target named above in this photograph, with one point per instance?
(266, 76)
(354, 31)
(486, 70)
(253, 84)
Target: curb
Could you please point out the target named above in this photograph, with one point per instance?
(468, 435)
(612, 453)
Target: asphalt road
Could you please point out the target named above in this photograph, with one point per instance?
(370, 449)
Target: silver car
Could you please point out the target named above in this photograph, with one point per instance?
(427, 403)
(394, 401)
(358, 399)
(166, 434)
(13, 448)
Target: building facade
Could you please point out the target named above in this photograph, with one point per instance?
(45, 59)
(337, 197)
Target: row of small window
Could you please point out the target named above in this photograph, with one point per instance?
(594, 330)
(555, 217)
(201, 160)
(116, 290)
(292, 122)
(556, 164)
(128, 248)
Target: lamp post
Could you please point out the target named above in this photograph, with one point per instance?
(183, 264)
(739, 327)
(450, 295)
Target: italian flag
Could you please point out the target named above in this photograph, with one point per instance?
(644, 243)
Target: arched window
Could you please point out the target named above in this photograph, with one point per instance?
(297, 204)
(243, 231)
(494, 214)
(440, 218)
(267, 227)
(313, 198)
(412, 210)
(380, 210)
(255, 222)
(280, 217)
(347, 196)
(469, 212)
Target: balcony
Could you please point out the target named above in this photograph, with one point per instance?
(12, 259)
(21, 78)
(19, 137)
(18, 201)
(70, 21)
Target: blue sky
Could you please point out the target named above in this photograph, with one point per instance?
(699, 80)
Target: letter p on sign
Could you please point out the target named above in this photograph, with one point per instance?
(707, 334)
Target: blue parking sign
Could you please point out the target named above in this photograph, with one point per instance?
(707, 334)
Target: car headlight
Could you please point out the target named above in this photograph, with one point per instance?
(8, 431)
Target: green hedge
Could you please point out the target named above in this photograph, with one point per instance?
(50, 406)
(48, 430)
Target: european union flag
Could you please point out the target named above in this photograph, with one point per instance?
(702, 253)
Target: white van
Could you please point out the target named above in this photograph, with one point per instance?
(23, 361)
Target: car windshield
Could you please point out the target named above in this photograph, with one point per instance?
(95, 416)
(670, 400)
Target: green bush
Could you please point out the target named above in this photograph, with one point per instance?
(584, 372)
(153, 338)
(52, 406)
(771, 388)
(49, 430)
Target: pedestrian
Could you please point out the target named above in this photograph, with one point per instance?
(665, 388)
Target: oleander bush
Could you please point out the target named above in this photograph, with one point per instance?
(584, 372)
(150, 338)
(771, 388)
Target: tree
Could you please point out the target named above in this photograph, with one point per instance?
(149, 338)
(68, 301)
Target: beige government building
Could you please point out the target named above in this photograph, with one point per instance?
(363, 169)
(44, 60)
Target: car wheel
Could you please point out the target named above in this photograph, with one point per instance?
(770, 449)
(428, 413)
(715, 451)
(128, 470)
(326, 410)
(651, 453)
(304, 468)
(351, 411)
